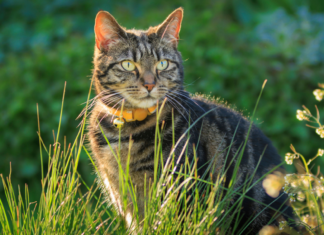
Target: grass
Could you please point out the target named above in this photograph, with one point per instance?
(173, 203)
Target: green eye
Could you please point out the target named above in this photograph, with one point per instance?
(128, 65)
(162, 65)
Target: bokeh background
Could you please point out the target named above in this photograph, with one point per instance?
(229, 48)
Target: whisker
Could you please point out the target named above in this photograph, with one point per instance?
(112, 116)
(190, 108)
(184, 95)
(86, 108)
(102, 92)
(176, 105)
(88, 115)
(94, 101)
(108, 98)
(106, 114)
(179, 103)
(115, 98)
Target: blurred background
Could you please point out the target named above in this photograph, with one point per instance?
(229, 48)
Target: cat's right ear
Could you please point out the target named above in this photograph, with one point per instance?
(107, 30)
(170, 28)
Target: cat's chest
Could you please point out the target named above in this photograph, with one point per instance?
(132, 153)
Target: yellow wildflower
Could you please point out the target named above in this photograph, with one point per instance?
(300, 115)
(289, 157)
(318, 94)
(273, 183)
(268, 230)
(320, 132)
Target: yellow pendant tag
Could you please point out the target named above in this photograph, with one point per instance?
(119, 122)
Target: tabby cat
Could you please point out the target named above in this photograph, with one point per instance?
(135, 69)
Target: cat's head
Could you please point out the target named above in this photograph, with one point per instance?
(138, 66)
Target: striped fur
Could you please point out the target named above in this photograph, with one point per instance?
(114, 85)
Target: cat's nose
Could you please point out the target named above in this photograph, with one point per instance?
(149, 82)
(149, 87)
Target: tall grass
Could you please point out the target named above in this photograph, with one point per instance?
(179, 201)
(62, 208)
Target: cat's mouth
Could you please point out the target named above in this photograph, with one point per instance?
(144, 99)
(148, 97)
(147, 101)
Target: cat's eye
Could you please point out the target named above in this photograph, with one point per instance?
(128, 65)
(162, 65)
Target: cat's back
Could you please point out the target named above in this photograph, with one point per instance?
(226, 134)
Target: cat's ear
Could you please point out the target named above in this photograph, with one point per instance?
(107, 30)
(170, 28)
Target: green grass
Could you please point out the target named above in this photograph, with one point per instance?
(65, 208)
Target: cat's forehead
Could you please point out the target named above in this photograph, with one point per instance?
(137, 32)
(143, 47)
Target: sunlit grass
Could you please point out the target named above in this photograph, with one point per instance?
(179, 201)
(62, 208)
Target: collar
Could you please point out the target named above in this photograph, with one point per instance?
(130, 115)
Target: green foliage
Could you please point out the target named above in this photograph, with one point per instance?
(299, 39)
(43, 44)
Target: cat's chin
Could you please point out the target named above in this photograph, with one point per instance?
(146, 103)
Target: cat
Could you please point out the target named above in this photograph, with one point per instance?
(135, 69)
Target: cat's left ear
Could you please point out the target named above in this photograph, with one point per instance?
(170, 28)
(107, 30)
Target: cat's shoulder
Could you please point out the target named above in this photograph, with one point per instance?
(218, 104)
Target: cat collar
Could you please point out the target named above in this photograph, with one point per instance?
(130, 115)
